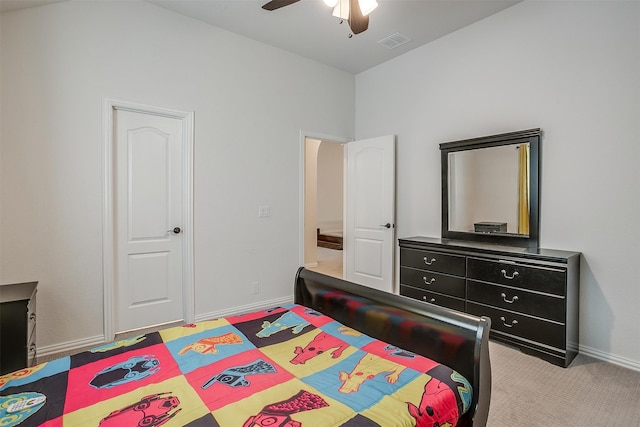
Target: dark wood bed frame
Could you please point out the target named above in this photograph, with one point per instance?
(455, 339)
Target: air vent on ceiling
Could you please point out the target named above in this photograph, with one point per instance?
(394, 40)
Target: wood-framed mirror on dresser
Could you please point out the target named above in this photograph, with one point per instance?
(491, 188)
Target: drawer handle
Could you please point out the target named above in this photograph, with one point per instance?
(32, 316)
(429, 262)
(511, 301)
(428, 282)
(504, 322)
(504, 273)
(431, 300)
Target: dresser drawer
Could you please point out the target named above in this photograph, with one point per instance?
(531, 294)
(520, 325)
(519, 300)
(433, 261)
(432, 297)
(435, 282)
(541, 279)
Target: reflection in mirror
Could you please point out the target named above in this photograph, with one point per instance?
(489, 190)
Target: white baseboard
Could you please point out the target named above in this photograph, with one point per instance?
(70, 346)
(610, 358)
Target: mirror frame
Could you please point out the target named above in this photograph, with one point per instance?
(530, 136)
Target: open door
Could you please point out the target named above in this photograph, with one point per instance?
(369, 240)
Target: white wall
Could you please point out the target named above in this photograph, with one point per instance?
(311, 147)
(570, 68)
(59, 61)
(330, 186)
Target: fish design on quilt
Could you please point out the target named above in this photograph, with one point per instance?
(367, 368)
(279, 414)
(318, 345)
(447, 409)
(133, 369)
(152, 411)
(288, 320)
(236, 376)
(208, 345)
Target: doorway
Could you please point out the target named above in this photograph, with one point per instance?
(368, 210)
(324, 206)
(148, 233)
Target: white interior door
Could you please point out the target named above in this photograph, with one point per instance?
(148, 152)
(370, 212)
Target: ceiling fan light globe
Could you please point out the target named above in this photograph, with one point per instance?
(331, 3)
(367, 6)
(341, 10)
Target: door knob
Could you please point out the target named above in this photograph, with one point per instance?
(176, 230)
(387, 225)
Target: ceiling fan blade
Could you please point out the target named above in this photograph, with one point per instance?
(357, 22)
(277, 4)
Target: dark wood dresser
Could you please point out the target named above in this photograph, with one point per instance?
(17, 326)
(530, 294)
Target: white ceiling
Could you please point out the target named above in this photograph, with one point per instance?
(307, 28)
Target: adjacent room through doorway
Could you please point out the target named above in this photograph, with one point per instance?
(349, 207)
(324, 208)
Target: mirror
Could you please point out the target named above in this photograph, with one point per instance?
(490, 188)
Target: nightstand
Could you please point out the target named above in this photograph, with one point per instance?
(17, 326)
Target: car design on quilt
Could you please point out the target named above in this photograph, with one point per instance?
(278, 414)
(22, 373)
(134, 369)
(236, 376)
(14, 418)
(150, 411)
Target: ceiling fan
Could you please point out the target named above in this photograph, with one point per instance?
(356, 12)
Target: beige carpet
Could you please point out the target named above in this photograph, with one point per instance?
(528, 391)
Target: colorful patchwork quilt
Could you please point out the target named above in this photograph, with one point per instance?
(286, 367)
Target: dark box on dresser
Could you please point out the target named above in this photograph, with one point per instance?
(490, 227)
